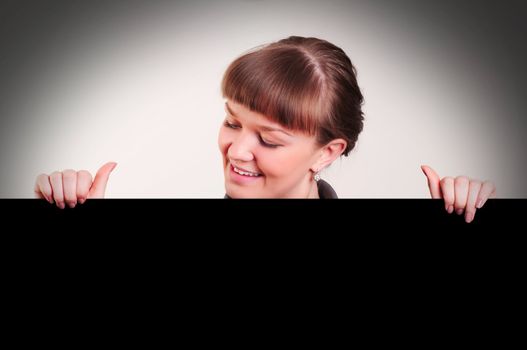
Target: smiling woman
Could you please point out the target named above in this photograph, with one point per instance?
(292, 108)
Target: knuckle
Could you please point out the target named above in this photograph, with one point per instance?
(42, 177)
(85, 174)
(461, 180)
(56, 176)
(69, 172)
(69, 175)
(475, 184)
(490, 184)
(446, 180)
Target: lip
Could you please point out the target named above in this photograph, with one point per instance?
(242, 169)
(241, 179)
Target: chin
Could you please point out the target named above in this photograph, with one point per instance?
(239, 193)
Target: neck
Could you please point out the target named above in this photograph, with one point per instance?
(313, 190)
(307, 188)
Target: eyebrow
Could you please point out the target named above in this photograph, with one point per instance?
(263, 127)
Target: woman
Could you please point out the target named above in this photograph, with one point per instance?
(292, 107)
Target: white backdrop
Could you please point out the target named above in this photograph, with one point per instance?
(143, 89)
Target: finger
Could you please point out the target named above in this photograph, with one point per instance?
(487, 190)
(84, 182)
(55, 180)
(473, 193)
(447, 189)
(69, 185)
(461, 184)
(101, 179)
(43, 188)
(433, 181)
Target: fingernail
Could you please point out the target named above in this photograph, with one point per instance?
(50, 200)
(480, 203)
(469, 217)
(113, 166)
(81, 200)
(459, 211)
(61, 205)
(450, 209)
(72, 204)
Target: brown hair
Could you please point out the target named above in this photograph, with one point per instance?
(305, 84)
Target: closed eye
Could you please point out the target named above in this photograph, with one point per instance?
(230, 125)
(260, 139)
(267, 144)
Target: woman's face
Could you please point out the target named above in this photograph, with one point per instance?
(262, 159)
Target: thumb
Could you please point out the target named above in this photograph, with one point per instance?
(433, 181)
(101, 178)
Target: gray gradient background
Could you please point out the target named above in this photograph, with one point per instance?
(137, 82)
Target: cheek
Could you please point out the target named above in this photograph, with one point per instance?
(224, 141)
(283, 162)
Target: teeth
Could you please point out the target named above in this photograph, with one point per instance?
(244, 172)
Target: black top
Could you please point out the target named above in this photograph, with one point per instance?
(325, 191)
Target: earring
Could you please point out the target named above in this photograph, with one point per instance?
(316, 177)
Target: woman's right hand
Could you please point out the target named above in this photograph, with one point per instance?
(71, 187)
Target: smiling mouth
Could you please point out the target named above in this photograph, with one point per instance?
(245, 172)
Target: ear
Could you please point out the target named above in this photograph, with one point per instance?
(329, 153)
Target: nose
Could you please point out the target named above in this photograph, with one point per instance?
(241, 149)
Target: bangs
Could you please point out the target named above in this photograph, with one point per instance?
(283, 83)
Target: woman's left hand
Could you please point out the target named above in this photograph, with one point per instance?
(461, 194)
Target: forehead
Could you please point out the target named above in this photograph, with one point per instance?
(240, 111)
(243, 113)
